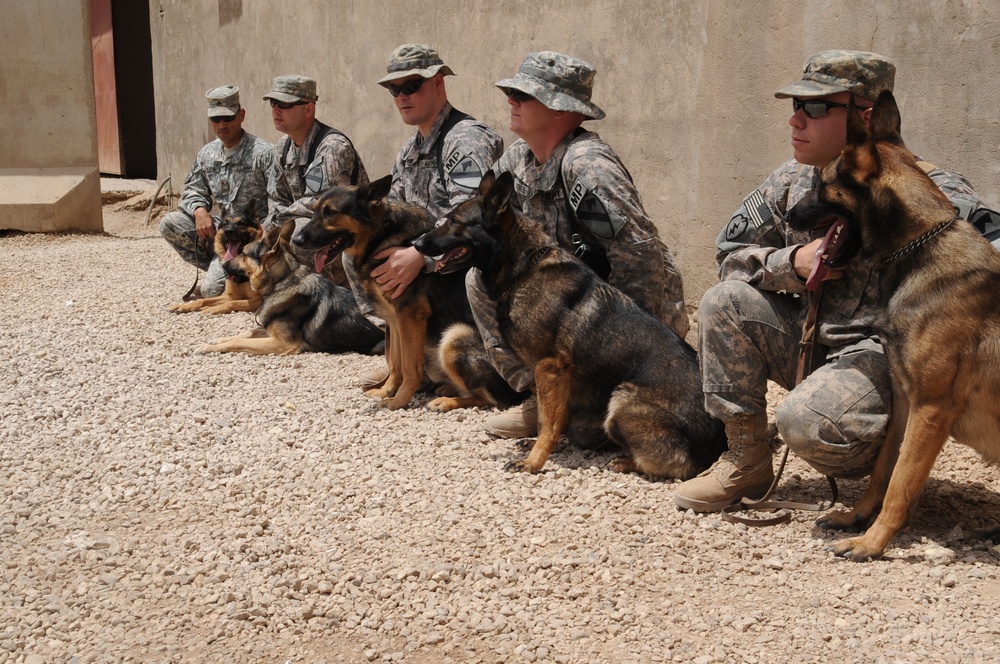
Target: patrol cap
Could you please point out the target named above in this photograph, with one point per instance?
(292, 88)
(223, 101)
(411, 59)
(561, 82)
(860, 72)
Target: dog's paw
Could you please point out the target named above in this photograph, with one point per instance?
(204, 349)
(856, 549)
(623, 464)
(443, 404)
(521, 466)
(846, 520)
(182, 308)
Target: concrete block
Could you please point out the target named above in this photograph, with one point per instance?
(44, 200)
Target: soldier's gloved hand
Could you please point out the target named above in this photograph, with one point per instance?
(401, 267)
(203, 224)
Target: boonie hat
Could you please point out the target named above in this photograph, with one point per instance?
(561, 82)
(414, 59)
(292, 88)
(860, 72)
(223, 101)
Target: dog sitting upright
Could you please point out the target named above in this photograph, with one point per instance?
(360, 222)
(939, 284)
(236, 232)
(602, 364)
(300, 311)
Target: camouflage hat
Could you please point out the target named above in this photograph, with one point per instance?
(223, 101)
(561, 82)
(292, 88)
(414, 59)
(865, 74)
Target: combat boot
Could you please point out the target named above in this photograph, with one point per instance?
(517, 422)
(742, 471)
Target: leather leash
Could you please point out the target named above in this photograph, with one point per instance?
(807, 347)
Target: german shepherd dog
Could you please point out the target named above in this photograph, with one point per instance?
(602, 364)
(237, 231)
(301, 310)
(359, 222)
(939, 284)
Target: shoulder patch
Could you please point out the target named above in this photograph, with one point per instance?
(464, 172)
(316, 178)
(754, 213)
(593, 212)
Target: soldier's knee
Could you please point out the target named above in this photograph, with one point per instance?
(822, 441)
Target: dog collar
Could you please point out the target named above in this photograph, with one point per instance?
(919, 241)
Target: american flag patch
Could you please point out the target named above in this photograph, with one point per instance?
(757, 209)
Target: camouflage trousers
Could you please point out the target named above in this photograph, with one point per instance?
(178, 229)
(484, 310)
(835, 419)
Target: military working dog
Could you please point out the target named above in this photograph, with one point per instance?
(237, 231)
(359, 222)
(939, 284)
(601, 362)
(300, 311)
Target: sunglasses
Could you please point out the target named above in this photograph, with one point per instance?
(517, 95)
(222, 118)
(817, 109)
(284, 105)
(407, 88)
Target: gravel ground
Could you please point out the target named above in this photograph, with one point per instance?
(159, 505)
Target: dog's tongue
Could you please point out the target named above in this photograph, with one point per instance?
(827, 254)
(231, 249)
(321, 258)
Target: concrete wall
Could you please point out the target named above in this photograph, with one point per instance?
(687, 84)
(48, 132)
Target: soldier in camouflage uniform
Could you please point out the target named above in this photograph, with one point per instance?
(230, 172)
(438, 168)
(750, 323)
(309, 159)
(575, 184)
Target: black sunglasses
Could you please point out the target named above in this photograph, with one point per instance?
(517, 95)
(407, 88)
(817, 108)
(222, 118)
(285, 105)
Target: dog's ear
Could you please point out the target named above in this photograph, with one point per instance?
(271, 237)
(497, 199)
(250, 211)
(885, 120)
(286, 232)
(487, 182)
(377, 190)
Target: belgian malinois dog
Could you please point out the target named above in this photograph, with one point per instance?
(939, 285)
(301, 310)
(605, 369)
(237, 231)
(359, 222)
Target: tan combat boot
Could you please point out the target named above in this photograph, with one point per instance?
(742, 471)
(517, 422)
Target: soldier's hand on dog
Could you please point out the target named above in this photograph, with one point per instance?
(203, 224)
(802, 261)
(401, 267)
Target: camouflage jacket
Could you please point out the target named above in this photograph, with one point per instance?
(468, 150)
(231, 182)
(756, 247)
(586, 179)
(295, 182)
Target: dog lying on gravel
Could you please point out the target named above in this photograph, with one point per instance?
(301, 310)
(602, 364)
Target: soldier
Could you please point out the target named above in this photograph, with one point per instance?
(574, 183)
(310, 158)
(230, 172)
(438, 168)
(750, 323)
